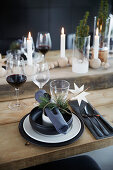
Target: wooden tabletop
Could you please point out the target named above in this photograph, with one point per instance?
(14, 154)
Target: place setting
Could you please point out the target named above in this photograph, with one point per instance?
(59, 117)
(52, 123)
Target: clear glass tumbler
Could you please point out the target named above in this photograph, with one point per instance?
(59, 89)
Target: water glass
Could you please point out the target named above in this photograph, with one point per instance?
(59, 89)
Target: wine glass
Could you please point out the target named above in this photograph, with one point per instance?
(43, 42)
(16, 77)
(42, 75)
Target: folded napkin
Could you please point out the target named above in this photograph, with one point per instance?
(39, 94)
(54, 115)
(57, 120)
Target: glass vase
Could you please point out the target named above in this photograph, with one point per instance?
(103, 38)
(80, 58)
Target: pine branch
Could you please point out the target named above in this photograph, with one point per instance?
(60, 103)
(83, 29)
(103, 15)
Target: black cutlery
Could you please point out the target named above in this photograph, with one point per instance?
(97, 130)
(92, 114)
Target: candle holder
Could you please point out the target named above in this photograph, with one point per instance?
(80, 58)
(103, 39)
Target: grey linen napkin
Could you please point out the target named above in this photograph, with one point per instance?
(39, 94)
(54, 115)
(57, 120)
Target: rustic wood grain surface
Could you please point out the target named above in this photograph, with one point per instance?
(14, 154)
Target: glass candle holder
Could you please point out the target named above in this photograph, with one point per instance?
(103, 38)
(80, 58)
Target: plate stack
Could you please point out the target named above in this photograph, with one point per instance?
(33, 129)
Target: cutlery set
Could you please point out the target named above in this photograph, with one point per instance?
(97, 125)
(101, 131)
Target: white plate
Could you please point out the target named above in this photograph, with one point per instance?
(74, 130)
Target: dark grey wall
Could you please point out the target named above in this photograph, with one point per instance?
(18, 17)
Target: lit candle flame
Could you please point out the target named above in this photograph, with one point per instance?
(62, 30)
(100, 28)
(29, 35)
(97, 32)
(98, 22)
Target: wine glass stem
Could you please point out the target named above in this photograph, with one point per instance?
(17, 95)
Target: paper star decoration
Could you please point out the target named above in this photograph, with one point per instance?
(79, 94)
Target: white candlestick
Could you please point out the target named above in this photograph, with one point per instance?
(62, 44)
(96, 44)
(29, 49)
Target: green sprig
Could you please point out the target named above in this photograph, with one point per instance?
(81, 32)
(103, 15)
(60, 103)
(83, 29)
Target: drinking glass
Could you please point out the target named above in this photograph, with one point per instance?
(42, 74)
(16, 77)
(59, 89)
(43, 42)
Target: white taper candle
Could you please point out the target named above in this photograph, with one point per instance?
(96, 44)
(29, 49)
(62, 44)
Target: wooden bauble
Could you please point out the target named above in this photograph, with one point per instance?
(62, 62)
(95, 63)
(55, 63)
(70, 61)
(107, 65)
(51, 65)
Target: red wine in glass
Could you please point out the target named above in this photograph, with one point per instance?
(43, 42)
(16, 77)
(16, 80)
(43, 49)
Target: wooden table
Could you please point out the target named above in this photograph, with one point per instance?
(14, 154)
